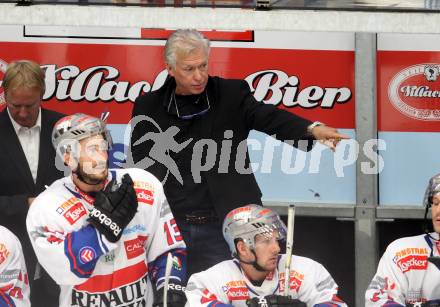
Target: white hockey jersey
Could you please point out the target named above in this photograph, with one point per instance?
(404, 274)
(14, 283)
(92, 271)
(225, 284)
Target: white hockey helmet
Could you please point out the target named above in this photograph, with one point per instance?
(247, 222)
(431, 190)
(73, 128)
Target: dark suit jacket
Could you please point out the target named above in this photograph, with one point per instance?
(16, 183)
(233, 108)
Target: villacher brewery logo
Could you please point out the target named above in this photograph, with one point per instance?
(103, 83)
(415, 91)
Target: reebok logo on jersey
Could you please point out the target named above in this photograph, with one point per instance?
(74, 213)
(135, 247)
(105, 220)
(4, 253)
(413, 263)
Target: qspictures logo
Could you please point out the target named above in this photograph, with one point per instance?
(415, 91)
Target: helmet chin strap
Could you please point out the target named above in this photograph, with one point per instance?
(254, 263)
(83, 179)
(86, 180)
(426, 224)
(425, 220)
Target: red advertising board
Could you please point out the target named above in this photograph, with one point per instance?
(92, 77)
(408, 78)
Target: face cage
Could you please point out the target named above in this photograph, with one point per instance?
(266, 230)
(429, 199)
(72, 143)
(108, 138)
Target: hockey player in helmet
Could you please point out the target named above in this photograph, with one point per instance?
(104, 234)
(408, 273)
(83, 142)
(255, 275)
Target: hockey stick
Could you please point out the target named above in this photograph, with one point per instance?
(167, 278)
(289, 245)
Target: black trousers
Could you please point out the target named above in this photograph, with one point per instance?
(44, 291)
(205, 245)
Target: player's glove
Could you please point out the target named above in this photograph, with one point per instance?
(274, 301)
(175, 296)
(114, 208)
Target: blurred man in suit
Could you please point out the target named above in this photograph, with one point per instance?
(27, 161)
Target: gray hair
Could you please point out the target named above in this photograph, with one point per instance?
(183, 42)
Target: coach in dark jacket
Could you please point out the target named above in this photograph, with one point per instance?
(27, 162)
(194, 140)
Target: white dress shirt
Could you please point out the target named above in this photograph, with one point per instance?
(30, 142)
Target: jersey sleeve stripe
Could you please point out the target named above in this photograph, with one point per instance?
(5, 300)
(83, 250)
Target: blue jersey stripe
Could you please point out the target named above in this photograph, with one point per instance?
(83, 250)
